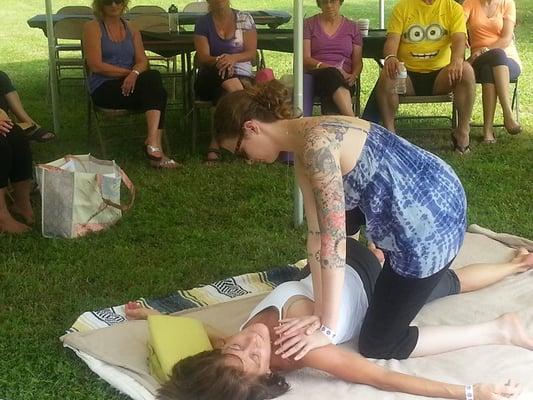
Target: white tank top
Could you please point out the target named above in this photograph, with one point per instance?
(354, 302)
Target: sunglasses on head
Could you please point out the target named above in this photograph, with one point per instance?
(109, 2)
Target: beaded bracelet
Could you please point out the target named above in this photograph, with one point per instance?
(469, 392)
(328, 332)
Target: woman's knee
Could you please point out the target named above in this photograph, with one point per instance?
(380, 346)
(497, 57)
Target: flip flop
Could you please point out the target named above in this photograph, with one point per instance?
(462, 150)
(165, 163)
(39, 134)
(149, 150)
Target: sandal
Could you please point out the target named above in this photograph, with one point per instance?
(165, 163)
(149, 151)
(462, 150)
(39, 134)
(213, 160)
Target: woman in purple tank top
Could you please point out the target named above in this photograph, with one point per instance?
(120, 77)
(333, 50)
(226, 44)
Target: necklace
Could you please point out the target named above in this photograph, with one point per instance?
(490, 7)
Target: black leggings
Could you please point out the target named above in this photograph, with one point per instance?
(6, 86)
(149, 94)
(493, 58)
(395, 300)
(208, 84)
(15, 157)
(325, 82)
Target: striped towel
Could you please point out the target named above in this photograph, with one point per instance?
(218, 292)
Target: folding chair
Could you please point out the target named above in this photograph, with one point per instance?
(445, 98)
(76, 10)
(147, 10)
(197, 7)
(68, 35)
(150, 22)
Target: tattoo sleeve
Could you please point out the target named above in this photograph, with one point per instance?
(321, 160)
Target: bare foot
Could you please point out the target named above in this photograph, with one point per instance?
(377, 252)
(134, 310)
(524, 260)
(10, 225)
(514, 332)
(25, 211)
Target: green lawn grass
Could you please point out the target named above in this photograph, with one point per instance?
(194, 225)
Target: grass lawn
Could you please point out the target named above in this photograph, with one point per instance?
(194, 225)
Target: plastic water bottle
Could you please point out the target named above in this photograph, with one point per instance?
(173, 19)
(401, 80)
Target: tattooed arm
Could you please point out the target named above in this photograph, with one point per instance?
(313, 234)
(321, 161)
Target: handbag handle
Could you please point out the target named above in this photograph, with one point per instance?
(131, 188)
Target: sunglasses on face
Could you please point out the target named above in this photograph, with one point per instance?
(109, 2)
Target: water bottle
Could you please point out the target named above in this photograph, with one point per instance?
(173, 19)
(401, 80)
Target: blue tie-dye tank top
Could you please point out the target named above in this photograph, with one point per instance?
(413, 202)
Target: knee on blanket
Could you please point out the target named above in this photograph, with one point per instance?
(386, 347)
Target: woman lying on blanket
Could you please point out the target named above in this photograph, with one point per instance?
(245, 366)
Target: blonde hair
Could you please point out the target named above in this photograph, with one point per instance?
(267, 102)
(98, 7)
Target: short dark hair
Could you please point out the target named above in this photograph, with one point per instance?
(207, 376)
(320, 1)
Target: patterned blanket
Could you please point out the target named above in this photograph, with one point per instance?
(217, 292)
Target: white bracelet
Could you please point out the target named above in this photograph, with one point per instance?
(328, 332)
(136, 72)
(469, 392)
(318, 64)
(390, 56)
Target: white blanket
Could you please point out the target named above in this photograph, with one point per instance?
(118, 354)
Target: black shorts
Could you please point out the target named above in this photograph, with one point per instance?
(423, 82)
(368, 268)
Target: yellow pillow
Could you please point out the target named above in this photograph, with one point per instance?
(171, 340)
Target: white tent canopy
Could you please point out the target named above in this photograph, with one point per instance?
(297, 71)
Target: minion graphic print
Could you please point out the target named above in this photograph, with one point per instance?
(426, 32)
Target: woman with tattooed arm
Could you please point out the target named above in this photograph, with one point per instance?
(413, 203)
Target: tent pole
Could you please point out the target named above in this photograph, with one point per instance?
(52, 65)
(298, 94)
(381, 14)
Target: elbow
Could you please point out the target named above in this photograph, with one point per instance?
(94, 68)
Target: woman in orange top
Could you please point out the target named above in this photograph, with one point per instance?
(494, 58)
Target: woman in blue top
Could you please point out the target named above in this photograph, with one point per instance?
(413, 203)
(120, 77)
(226, 43)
